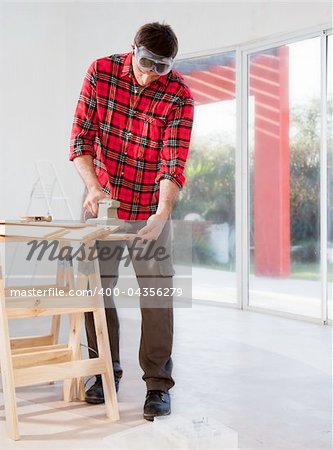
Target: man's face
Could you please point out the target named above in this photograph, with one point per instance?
(149, 66)
(143, 78)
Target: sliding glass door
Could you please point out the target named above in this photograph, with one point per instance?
(284, 178)
(279, 140)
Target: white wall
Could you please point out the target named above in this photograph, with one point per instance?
(46, 48)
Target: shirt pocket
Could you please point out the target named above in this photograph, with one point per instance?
(152, 138)
(154, 127)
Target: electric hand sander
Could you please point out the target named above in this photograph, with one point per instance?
(107, 213)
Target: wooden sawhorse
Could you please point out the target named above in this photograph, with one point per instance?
(34, 360)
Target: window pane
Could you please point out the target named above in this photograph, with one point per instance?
(208, 199)
(284, 145)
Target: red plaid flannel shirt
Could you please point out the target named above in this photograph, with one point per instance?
(137, 135)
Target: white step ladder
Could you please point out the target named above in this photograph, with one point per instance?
(48, 189)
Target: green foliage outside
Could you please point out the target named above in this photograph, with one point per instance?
(305, 182)
(209, 191)
(210, 187)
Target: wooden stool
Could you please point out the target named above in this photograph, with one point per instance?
(40, 359)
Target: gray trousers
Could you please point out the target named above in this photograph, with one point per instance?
(151, 271)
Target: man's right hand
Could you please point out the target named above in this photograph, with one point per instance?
(91, 202)
(85, 166)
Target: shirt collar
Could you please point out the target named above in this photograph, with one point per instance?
(127, 67)
(128, 70)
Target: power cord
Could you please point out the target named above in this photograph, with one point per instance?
(93, 350)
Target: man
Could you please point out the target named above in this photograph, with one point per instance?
(129, 142)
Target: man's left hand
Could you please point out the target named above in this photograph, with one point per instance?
(153, 228)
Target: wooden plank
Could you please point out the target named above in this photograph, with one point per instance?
(104, 350)
(62, 303)
(55, 328)
(62, 279)
(75, 331)
(22, 351)
(89, 233)
(61, 371)
(45, 224)
(108, 237)
(20, 313)
(7, 372)
(20, 343)
(30, 231)
(74, 342)
(41, 358)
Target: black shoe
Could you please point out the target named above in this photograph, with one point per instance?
(157, 404)
(95, 393)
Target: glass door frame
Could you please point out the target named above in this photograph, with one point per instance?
(324, 195)
(242, 171)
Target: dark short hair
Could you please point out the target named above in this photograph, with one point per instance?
(158, 38)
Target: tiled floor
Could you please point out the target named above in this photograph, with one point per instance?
(264, 381)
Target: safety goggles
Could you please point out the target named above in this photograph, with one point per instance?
(147, 61)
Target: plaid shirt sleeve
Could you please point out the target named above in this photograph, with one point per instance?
(176, 142)
(85, 124)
